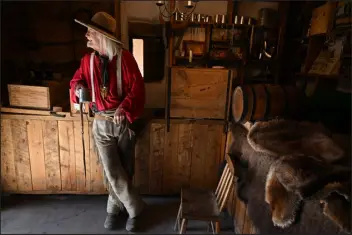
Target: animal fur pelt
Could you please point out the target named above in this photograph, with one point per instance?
(290, 178)
(239, 150)
(334, 207)
(254, 165)
(239, 145)
(284, 137)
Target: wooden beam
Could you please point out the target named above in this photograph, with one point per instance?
(172, 37)
(283, 11)
(117, 14)
(230, 5)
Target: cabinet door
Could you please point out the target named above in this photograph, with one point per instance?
(198, 93)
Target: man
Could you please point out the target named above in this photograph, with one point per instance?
(117, 90)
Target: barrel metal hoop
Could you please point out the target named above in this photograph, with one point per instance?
(254, 104)
(286, 110)
(268, 105)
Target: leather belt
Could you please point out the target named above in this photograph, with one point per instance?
(103, 117)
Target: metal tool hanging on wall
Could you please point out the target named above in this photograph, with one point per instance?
(83, 98)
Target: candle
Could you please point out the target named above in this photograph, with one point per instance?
(190, 56)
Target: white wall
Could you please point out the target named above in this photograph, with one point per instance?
(147, 11)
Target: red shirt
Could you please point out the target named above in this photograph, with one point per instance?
(132, 85)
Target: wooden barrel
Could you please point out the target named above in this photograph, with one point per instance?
(276, 101)
(294, 99)
(260, 106)
(242, 103)
(256, 102)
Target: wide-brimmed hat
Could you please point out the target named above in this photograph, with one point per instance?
(103, 23)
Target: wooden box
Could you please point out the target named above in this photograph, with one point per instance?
(199, 93)
(38, 97)
(322, 19)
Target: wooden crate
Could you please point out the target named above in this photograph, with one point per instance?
(199, 93)
(38, 97)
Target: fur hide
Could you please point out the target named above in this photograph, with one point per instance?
(284, 137)
(239, 150)
(296, 175)
(334, 207)
(283, 192)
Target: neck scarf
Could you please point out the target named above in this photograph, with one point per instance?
(104, 61)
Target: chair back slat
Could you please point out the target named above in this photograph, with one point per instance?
(223, 184)
(224, 198)
(224, 188)
(222, 178)
(226, 184)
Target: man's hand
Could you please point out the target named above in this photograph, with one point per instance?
(78, 86)
(119, 116)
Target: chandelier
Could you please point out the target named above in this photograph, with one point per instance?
(166, 11)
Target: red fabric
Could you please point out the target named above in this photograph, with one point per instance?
(132, 85)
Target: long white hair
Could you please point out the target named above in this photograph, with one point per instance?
(109, 47)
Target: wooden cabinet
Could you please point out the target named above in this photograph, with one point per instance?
(322, 18)
(199, 93)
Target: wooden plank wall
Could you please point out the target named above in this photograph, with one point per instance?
(188, 155)
(44, 155)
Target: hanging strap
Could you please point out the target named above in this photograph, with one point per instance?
(118, 73)
(91, 76)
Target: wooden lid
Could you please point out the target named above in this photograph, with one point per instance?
(242, 103)
(237, 103)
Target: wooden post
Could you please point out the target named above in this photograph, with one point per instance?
(230, 5)
(171, 40)
(283, 11)
(117, 13)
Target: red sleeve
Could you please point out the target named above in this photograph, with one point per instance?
(133, 103)
(78, 78)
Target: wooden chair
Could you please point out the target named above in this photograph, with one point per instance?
(204, 205)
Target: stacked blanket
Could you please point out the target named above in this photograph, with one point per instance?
(290, 179)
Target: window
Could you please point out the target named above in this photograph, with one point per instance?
(138, 53)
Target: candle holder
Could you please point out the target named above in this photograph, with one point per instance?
(166, 12)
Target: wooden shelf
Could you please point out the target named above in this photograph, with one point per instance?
(229, 26)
